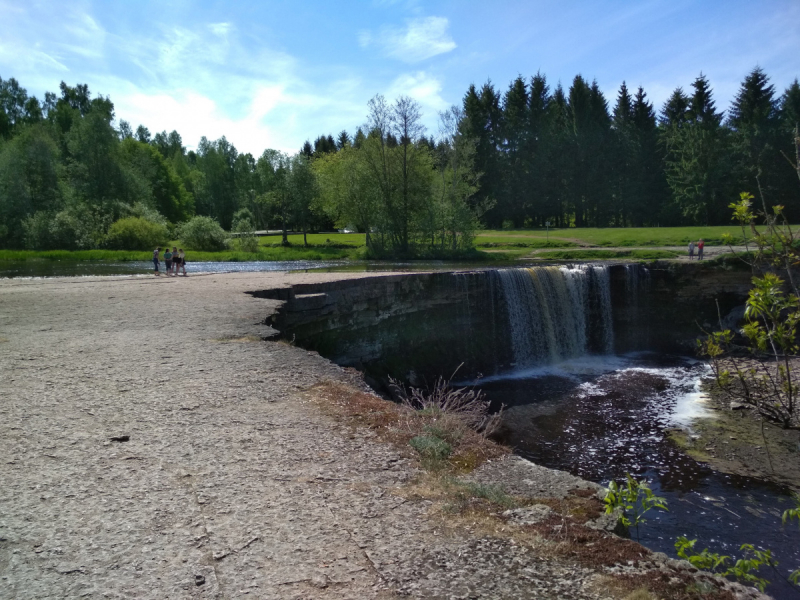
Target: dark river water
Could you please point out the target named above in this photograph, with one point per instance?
(602, 417)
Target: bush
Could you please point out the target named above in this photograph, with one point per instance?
(136, 233)
(203, 233)
(71, 229)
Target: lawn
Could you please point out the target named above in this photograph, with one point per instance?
(491, 244)
(605, 237)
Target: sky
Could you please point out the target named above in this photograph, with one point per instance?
(269, 74)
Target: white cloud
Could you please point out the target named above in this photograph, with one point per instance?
(425, 89)
(208, 79)
(419, 40)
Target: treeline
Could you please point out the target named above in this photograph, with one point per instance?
(70, 179)
(566, 157)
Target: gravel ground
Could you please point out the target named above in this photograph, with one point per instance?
(153, 446)
(227, 482)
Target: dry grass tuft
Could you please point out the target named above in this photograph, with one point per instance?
(444, 440)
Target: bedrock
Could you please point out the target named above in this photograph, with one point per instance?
(417, 327)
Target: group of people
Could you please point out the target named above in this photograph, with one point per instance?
(700, 245)
(174, 261)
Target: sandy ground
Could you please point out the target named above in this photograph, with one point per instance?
(154, 447)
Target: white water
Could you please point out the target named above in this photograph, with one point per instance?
(557, 313)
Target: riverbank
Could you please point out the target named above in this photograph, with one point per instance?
(733, 440)
(155, 446)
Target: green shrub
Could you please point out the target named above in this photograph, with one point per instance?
(74, 228)
(203, 233)
(136, 233)
(431, 449)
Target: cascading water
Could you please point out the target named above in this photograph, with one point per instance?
(556, 313)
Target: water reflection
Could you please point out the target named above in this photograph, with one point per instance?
(600, 417)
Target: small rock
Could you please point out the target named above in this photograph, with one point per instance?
(120, 438)
(199, 579)
(528, 515)
(319, 581)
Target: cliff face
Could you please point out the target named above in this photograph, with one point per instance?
(420, 326)
(669, 306)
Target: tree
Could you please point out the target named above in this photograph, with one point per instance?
(153, 181)
(143, 134)
(455, 223)
(696, 166)
(29, 181)
(482, 116)
(274, 171)
(343, 140)
(347, 193)
(303, 192)
(513, 199)
(754, 121)
(766, 379)
(218, 194)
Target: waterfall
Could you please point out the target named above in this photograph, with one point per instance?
(556, 312)
(637, 278)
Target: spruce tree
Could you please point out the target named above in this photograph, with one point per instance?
(622, 154)
(754, 121)
(513, 198)
(676, 109)
(343, 140)
(697, 168)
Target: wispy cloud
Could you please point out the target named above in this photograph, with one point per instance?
(423, 87)
(419, 40)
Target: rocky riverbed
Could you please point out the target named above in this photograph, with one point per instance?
(154, 446)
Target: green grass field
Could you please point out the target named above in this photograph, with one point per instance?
(611, 237)
(495, 245)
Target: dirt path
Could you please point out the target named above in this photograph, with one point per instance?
(154, 447)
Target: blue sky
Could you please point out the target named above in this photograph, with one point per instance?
(273, 74)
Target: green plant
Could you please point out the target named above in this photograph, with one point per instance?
(432, 449)
(493, 493)
(708, 561)
(765, 379)
(136, 233)
(203, 233)
(789, 515)
(744, 569)
(632, 500)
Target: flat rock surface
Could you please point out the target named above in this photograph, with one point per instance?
(521, 477)
(153, 446)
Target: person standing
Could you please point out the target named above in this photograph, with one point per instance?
(700, 246)
(176, 261)
(183, 260)
(155, 259)
(691, 250)
(168, 261)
